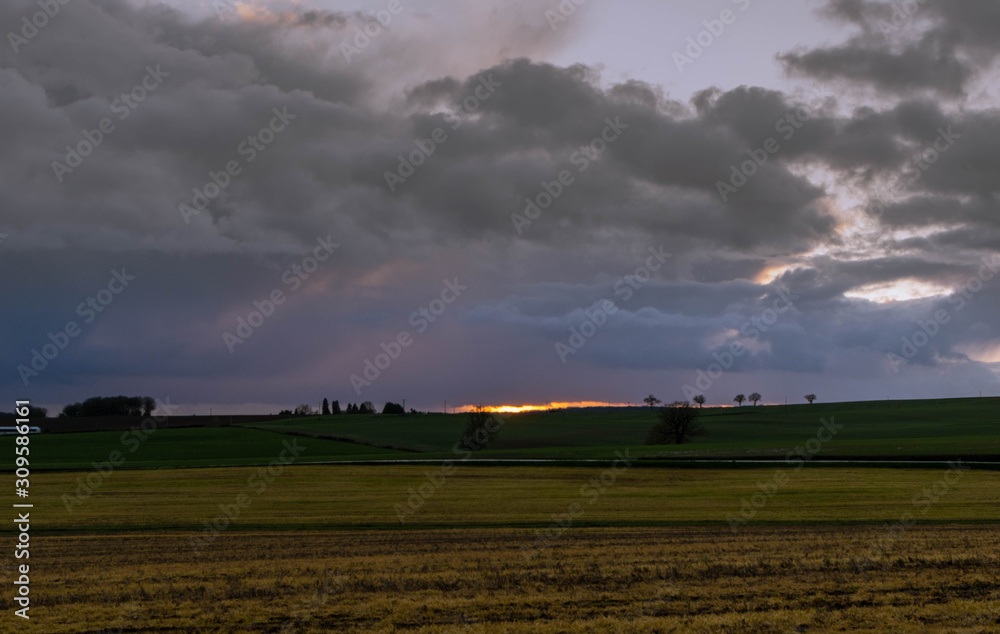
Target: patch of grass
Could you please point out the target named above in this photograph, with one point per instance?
(190, 447)
(342, 497)
(947, 427)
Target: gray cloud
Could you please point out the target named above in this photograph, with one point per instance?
(655, 185)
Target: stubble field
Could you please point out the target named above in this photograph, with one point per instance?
(665, 579)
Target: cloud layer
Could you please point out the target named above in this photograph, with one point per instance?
(213, 159)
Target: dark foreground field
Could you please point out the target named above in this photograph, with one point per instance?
(927, 429)
(673, 579)
(266, 540)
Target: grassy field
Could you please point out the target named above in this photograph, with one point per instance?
(267, 542)
(951, 427)
(932, 579)
(918, 429)
(342, 497)
(190, 447)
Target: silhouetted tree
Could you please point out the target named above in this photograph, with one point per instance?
(481, 429)
(326, 407)
(739, 400)
(111, 406)
(754, 398)
(335, 408)
(678, 424)
(393, 408)
(651, 400)
(303, 410)
(700, 400)
(287, 413)
(367, 408)
(810, 398)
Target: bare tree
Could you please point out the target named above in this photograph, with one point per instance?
(700, 400)
(755, 397)
(481, 429)
(810, 398)
(678, 424)
(652, 400)
(739, 400)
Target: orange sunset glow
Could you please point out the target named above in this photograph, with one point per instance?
(517, 409)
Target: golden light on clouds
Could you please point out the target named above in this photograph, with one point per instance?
(898, 291)
(772, 273)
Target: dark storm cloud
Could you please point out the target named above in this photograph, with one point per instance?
(933, 45)
(511, 126)
(222, 80)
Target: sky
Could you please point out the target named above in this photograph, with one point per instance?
(244, 206)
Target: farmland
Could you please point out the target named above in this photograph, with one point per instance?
(940, 578)
(343, 497)
(894, 429)
(301, 525)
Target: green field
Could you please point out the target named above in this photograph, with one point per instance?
(948, 427)
(269, 542)
(349, 496)
(190, 447)
(895, 429)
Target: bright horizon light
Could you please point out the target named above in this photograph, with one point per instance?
(517, 409)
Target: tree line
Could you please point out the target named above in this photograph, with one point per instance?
(111, 406)
(332, 408)
(678, 421)
(739, 399)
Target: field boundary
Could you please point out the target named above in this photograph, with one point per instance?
(321, 436)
